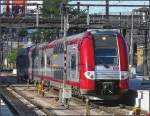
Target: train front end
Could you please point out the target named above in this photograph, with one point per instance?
(103, 65)
(111, 64)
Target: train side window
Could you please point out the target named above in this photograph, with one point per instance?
(58, 48)
(48, 61)
(73, 62)
(62, 48)
(55, 49)
(42, 61)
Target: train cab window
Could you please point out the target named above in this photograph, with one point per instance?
(73, 62)
(106, 51)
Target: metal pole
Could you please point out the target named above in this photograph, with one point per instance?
(131, 43)
(78, 9)
(65, 51)
(149, 43)
(61, 30)
(65, 24)
(7, 49)
(0, 46)
(7, 7)
(62, 97)
(107, 8)
(87, 107)
(88, 16)
(37, 16)
(12, 36)
(145, 54)
(120, 24)
(37, 21)
(18, 37)
(0, 7)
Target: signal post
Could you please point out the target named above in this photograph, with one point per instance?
(65, 90)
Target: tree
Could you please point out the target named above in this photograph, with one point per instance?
(13, 55)
(42, 35)
(51, 7)
(23, 33)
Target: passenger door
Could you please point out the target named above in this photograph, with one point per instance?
(72, 65)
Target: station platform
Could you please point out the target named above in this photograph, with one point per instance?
(141, 86)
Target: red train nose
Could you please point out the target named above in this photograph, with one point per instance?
(123, 84)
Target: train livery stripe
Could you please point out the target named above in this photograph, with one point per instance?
(73, 83)
(61, 81)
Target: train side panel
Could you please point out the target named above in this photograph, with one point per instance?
(123, 84)
(87, 66)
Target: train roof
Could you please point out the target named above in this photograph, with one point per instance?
(104, 31)
(76, 37)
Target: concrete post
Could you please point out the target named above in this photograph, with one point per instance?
(87, 107)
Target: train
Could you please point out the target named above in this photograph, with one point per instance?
(95, 63)
(22, 64)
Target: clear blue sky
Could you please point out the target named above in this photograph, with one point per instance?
(112, 9)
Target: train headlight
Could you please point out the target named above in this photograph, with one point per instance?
(90, 75)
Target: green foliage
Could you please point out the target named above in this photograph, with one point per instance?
(12, 56)
(74, 11)
(41, 35)
(51, 7)
(23, 33)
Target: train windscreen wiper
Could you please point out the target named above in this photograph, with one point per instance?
(104, 64)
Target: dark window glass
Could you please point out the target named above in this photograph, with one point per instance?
(106, 51)
(42, 61)
(48, 61)
(73, 62)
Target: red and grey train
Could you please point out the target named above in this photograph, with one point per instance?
(95, 62)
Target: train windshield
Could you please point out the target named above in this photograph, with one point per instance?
(106, 52)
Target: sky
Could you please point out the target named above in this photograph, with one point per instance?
(112, 9)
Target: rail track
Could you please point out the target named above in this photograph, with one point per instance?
(109, 107)
(6, 90)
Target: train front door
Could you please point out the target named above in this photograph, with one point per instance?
(72, 64)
